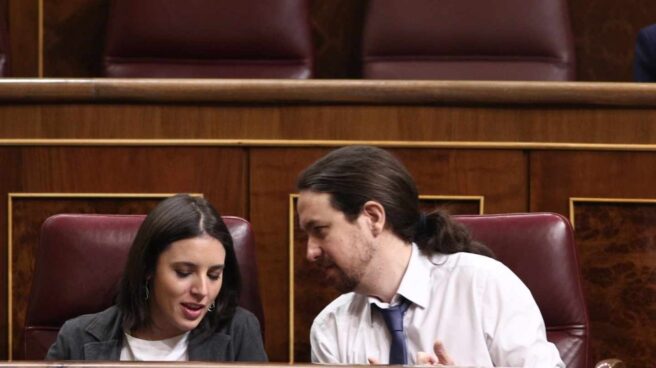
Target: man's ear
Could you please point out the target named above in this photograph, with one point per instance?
(375, 213)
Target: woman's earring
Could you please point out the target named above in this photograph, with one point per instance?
(211, 307)
(146, 291)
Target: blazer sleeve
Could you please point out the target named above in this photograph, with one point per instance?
(61, 349)
(247, 338)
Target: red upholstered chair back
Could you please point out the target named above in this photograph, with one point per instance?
(208, 39)
(468, 40)
(80, 261)
(539, 248)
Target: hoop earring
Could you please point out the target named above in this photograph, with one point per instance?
(211, 307)
(146, 291)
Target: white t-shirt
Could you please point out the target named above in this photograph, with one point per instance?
(480, 310)
(171, 349)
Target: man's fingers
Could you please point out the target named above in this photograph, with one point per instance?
(373, 360)
(424, 358)
(442, 356)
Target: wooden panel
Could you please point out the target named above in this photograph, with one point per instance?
(363, 92)
(337, 27)
(24, 37)
(27, 216)
(10, 163)
(499, 176)
(609, 237)
(73, 37)
(605, 33)
(557, 176)
(218, 173)
(312, 292)
(430, 125)
(617, 246)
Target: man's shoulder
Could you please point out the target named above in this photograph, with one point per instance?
(469, 262)
(344, 306)
(649, 31)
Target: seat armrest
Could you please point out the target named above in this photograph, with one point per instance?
(610, 363)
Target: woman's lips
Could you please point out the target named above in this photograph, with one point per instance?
(192, 311)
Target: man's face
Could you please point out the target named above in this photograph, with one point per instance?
(343, 249)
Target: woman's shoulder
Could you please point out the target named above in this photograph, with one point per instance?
(244, 317)
(78, 331)
(85, 320)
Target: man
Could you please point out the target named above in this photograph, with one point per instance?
(644, 59)
(417, 289)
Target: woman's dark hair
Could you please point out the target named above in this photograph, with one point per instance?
(176, 218)
(353, 175)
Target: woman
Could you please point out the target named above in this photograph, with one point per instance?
(177, 299)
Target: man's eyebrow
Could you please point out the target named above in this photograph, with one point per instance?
(308, 225)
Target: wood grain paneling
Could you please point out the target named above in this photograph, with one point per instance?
(26, 217)
(337, 27)
(24, 37)
(617, 246)
(11, 162)
(324, 119)
(605, 32)
(610, 238)
(73, 37)
(499, 176)
(557, 176)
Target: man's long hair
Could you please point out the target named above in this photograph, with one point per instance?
(353, 175)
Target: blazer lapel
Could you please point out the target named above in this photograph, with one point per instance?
(104, 350)
(211, 348)
(107, 329)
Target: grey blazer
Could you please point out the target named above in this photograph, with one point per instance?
(99, 336)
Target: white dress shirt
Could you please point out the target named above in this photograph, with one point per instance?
(480, 310)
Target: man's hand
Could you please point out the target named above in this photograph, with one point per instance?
(373, 361)
(440, 357)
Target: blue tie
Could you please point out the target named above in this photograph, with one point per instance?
(394, 320)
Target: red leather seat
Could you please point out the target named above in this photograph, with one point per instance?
(539, 248)
(208, 39)
(80, 261)
(468, 40)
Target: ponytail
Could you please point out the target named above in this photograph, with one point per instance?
(437, 233)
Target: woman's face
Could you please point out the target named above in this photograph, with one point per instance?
(187, 280)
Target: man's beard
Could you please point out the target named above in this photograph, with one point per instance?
(339, 279)
(346, 281)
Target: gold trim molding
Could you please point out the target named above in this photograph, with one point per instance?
(574, 200)
(10, 199)
(569, 146)
(291, 227)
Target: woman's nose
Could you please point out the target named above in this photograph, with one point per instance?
(199, 287)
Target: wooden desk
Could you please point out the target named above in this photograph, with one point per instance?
(585, 150)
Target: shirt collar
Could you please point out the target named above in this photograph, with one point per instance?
(415, 284)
